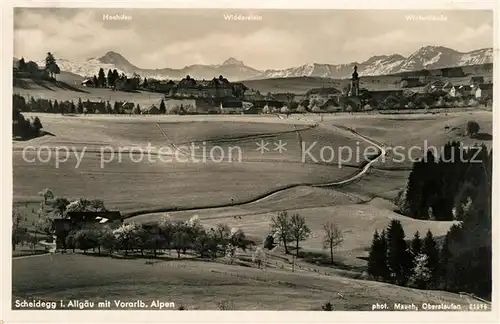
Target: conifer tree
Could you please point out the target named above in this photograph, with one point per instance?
(79, 107)
(163, 109)
(377, 259)
(101, 78)
(398, 257)
(110, 79)
(116, 108)
(50, 109)
(430, 248)
(414, 193)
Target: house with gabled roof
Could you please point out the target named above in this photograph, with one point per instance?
(484, 90)
(321, 95)
(151, 110)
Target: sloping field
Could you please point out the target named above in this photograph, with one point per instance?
(134, 181)
(358, 220)
(200, 285)
(411, 135)
(72, 90)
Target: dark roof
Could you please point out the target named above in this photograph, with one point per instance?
(330, 102)
(231, 103)
(486, 86)
(323, 91)
(386, 91)
(92, 216)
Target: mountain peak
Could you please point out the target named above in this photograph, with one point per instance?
(111, 55)
(120, 62)
(434, 48)
(232, 61)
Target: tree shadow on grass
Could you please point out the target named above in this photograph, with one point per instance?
(65, 86)
(42, 84)
(19, 138)
(483, 137)
(20, 83)
(322, 259)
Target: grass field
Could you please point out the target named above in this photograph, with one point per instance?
(71, 91)
(358, 208)
(155, 182)
(200, 285)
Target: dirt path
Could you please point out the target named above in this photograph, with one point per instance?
(340, 182)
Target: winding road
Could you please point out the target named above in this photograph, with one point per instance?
(364, 167)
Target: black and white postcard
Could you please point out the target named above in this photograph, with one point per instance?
(255, 157)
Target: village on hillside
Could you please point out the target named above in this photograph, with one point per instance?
(441, 88)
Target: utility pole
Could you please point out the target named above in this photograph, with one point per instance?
(293, 263)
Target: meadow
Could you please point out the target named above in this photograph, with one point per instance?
(71, 90)
(202, 285)
(138, 188)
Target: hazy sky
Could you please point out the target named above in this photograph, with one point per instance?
(282, 38)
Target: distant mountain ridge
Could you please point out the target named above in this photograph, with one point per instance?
(427, 57)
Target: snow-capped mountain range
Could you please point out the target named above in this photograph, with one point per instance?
(428, 57)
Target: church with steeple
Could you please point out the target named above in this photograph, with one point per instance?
(354, 86)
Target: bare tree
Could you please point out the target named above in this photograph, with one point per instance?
(333, 237)
(299, 230)
(281, 226)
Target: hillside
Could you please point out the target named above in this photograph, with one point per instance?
(201, 285)
(68, 87)
(427, 57)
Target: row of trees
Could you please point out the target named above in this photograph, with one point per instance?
(69, 107)
(394, 260)
(114, 80)
(167, 234)
(293, 229)
(31, 67)
(457, 189)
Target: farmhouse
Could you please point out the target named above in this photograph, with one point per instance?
(331, 105)
(484, 90)
(161, 86)
(231, 107)
(79, 220)
(252, 95)
(380, 95)
(434, 86)
(127, 107)
(151, 110)
(321, 95)
(216, 88)
(87, 83)
(447, 87)
(239, 89)
(459, 91)
(94, 106)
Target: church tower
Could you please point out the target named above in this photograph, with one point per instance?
(355, 83)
